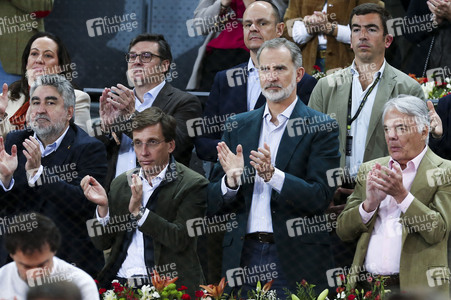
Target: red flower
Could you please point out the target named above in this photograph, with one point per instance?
(352, 291)
(198, 294)
(101, 291)
(369, 279)
(340, 289)
(342, 277)
(186, 297)
(115, 284)
(303, 282)
(351, 297)
(378, 283)
(378, 297)
(317, 68)
(368, 294)
(182, 288)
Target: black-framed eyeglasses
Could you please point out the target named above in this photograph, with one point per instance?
(150, 144)
(145, 57)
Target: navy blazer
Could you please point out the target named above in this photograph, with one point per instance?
(442, 146)
(229, 95)
(305, 155)
(61, 200)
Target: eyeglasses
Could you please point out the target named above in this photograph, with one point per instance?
(150, 144)
(145, 57)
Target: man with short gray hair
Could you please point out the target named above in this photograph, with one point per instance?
(272, 175)
(400, 209)
(41, 169)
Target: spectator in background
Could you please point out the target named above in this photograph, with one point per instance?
(442, 146)
(321, 29)
(41, 169)
(44, 53)
(222, 49)
(33, 240)
(149, 60)
(21, 20)
(238, 89)
(432, 43)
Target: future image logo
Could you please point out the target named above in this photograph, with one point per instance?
(114, 24)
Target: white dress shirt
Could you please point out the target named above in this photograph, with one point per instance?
(384, 249)
(253, 86)
(134, 263)
(127, 157)
(359, 128)
(301, 36)
(260, 213)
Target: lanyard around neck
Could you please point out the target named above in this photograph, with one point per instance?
(351, 119)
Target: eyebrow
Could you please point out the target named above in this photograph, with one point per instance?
(34, 267)
(46, 98)
(48, 50)
(258, 20)
(366, 26)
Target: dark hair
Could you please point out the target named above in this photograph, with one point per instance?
(371, 8)
(275, 10)
(61, 290)
(21, 86)
(152, 116)
(164, 50)
(30, 232)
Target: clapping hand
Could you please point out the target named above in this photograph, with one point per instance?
(261, 161)
(95, 193)
(8, 163)
(3, 101)
(232, 164)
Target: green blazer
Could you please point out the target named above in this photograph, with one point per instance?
(423, 250)
(331, 95)
(182, 198)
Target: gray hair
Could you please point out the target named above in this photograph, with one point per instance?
(63, 86)
(276, 43)
(411, 106)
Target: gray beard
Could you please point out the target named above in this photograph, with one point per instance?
(48, 133)
(281, 95)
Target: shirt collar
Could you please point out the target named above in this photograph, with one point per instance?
(52, 147)
(285, 115)
(250, 66)
(157, 179)
(148, 98)
(414, 162)
(354, 71)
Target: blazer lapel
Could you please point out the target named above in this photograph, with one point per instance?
(382, 96)
(59, 156)
(341, 100)
(164, 97)
(420, 186)
(288, 143)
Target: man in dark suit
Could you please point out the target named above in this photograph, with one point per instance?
(238, 90)
(281, 184)
(442, 145)
(149, 61)
(43, 170)
(155, 207)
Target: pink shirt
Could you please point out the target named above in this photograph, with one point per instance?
(384, 249)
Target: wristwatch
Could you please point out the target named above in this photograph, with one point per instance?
(140, 214)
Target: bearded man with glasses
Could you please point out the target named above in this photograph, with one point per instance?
(149, 61)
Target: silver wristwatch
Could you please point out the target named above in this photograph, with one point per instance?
(140, 214)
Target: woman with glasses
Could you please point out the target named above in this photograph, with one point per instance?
(44, 53)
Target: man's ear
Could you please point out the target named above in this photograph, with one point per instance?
(388, 40)
(171, 146)
(279, 29)
(70, 112)
(299, 73)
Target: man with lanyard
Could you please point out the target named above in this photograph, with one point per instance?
(355, 96)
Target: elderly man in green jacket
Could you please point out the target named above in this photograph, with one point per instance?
(400, 209)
